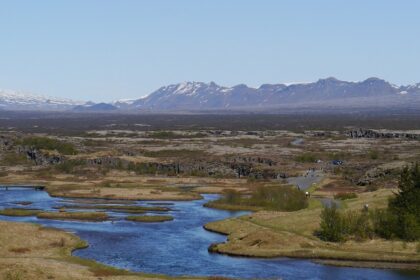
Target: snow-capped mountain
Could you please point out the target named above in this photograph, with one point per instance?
(16, 100)
(330, 92)
(372, 93)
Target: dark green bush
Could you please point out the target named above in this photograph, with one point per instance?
(332, 228)
(405, 206)
(338, 226)
(384, 223)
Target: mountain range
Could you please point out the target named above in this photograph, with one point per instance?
(199, 96)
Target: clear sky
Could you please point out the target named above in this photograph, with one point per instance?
(104, 50)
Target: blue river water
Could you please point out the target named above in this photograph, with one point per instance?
(178, 247)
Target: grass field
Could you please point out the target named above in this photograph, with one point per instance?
(291, 234)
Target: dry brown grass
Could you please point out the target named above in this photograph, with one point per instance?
(290, 234)
(78, 216)
(149, 219)
(19, 212)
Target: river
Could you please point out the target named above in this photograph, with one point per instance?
(178, 247)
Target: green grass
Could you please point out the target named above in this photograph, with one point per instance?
(149, 219)
(19, 212)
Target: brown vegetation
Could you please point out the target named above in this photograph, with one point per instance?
(149, 219)
(79, 216)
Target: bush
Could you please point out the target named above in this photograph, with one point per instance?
(69, 166)
(12, 158)
(45, 143)
(363, 229)
(331, 225)
(409, 227)
(232, 196)
(278, 198)
(401, 219)
(383, 223)
(405, 205)
(373, 154)
(338, 226)
(344, 196)
(306, 157)
(270, 198)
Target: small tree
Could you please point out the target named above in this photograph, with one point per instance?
(406, 205)
(331, 224)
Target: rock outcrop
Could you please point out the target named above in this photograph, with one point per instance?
(370, 133)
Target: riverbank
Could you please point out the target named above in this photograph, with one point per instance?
(44, 253)
(270, 234)
(120, 185)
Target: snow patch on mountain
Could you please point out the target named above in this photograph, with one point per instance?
(11, 99)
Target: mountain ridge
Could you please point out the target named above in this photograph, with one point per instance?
(198, 96)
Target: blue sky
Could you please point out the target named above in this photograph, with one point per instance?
(104, 50)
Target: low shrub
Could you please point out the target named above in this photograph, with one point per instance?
(373, 154)
(344, 196)
(337, 226)
(306, 157)
(45, 143)
(331, 228)
(69, 166)
(12, 158)
(278, 198)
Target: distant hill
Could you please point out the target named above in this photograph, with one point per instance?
(99, 107)
(369, 94)
(330, 92)
(16, 100)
